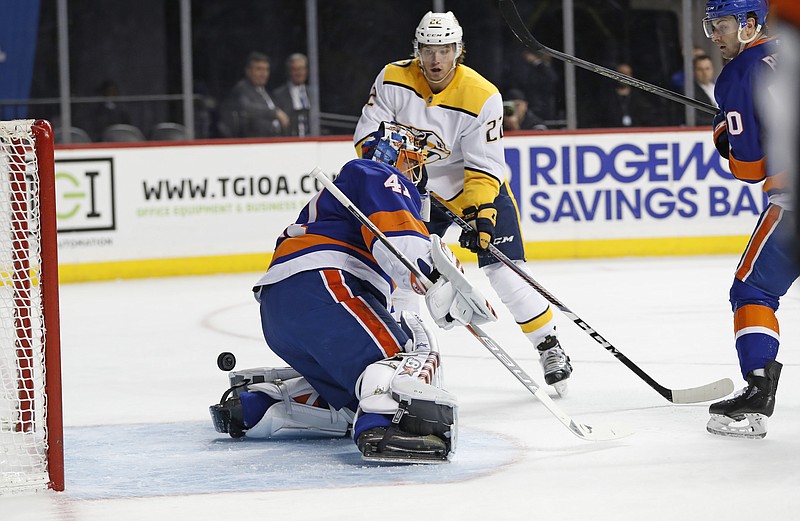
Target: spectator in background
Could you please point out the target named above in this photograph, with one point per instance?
(678, 78)
(99, 116)
(249, 111)
(704, 88)
(292, 97)
(624, 106)
(517, 115)
(534, 75)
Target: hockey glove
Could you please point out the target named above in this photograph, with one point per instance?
(483, 220)
(453, 300)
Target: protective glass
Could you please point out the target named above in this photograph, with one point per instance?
(720, 26)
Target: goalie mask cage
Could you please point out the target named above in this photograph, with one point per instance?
(31, 433)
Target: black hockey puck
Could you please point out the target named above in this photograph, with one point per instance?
(226, 361)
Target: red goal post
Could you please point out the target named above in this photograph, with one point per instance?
(31, 428)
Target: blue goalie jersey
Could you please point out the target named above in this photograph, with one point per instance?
(327, 235)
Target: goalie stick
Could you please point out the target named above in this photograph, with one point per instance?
(517, 26)
(581, 430)
(704, 393)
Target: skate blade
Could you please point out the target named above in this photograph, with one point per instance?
(404, 458)
(752, 426)
(562, 388)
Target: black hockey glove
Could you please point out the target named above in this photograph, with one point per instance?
(721, 141)
(483, 220)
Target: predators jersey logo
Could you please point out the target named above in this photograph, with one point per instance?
(435, 145)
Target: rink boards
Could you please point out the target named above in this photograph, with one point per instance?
(143, 210)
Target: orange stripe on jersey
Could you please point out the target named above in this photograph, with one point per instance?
(757, 241)
(776, 182)
(361, 310)
(763, 39)
(398, 221)
(748, 170)
(753, 315)
(719, 129)
(295, 244)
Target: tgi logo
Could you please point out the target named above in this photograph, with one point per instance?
(85, 194)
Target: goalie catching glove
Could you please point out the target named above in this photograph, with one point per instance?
(453, 300)
(482, 220)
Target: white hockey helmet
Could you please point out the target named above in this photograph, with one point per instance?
(439, 29)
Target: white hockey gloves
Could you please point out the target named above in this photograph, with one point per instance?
(453, 300)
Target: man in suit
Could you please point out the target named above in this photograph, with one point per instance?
(704, 87)
(292, 97)
(249, 111)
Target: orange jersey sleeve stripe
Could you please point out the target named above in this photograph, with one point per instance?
(295, 244)
(361, 311)
(753, 315)
(760, 236)
(719, 129)
(748, 170)
(398, 221)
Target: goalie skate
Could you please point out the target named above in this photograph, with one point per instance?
(392, 445)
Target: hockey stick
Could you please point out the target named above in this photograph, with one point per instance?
(517, 26)
(704, 393)
(581, 430)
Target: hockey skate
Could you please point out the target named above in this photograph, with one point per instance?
(391, 444)
(745, 415)
(555, 364)
(227, 415)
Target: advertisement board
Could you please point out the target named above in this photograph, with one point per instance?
(156, 210)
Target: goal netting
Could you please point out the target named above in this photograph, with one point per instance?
(31, 452)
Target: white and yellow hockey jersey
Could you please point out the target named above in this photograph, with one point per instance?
(463, 125)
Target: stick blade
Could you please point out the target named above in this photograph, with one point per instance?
(600, 432)
(582, 430)
(704, 393)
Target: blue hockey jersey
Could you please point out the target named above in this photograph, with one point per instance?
(741, 86)
(327, 235)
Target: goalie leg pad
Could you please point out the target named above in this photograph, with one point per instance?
(297, 420)
(422, 430)
(268, 402)
(403, 413)
(297, 411)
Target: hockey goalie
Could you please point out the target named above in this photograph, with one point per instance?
(326, 311)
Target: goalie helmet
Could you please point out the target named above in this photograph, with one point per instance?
(399, 146)
(438, 29)
(716, 9)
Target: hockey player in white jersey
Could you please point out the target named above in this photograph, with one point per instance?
(460, 114)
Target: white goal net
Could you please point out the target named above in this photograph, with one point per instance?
(30, 432)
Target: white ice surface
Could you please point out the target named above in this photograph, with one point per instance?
(139, 366)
